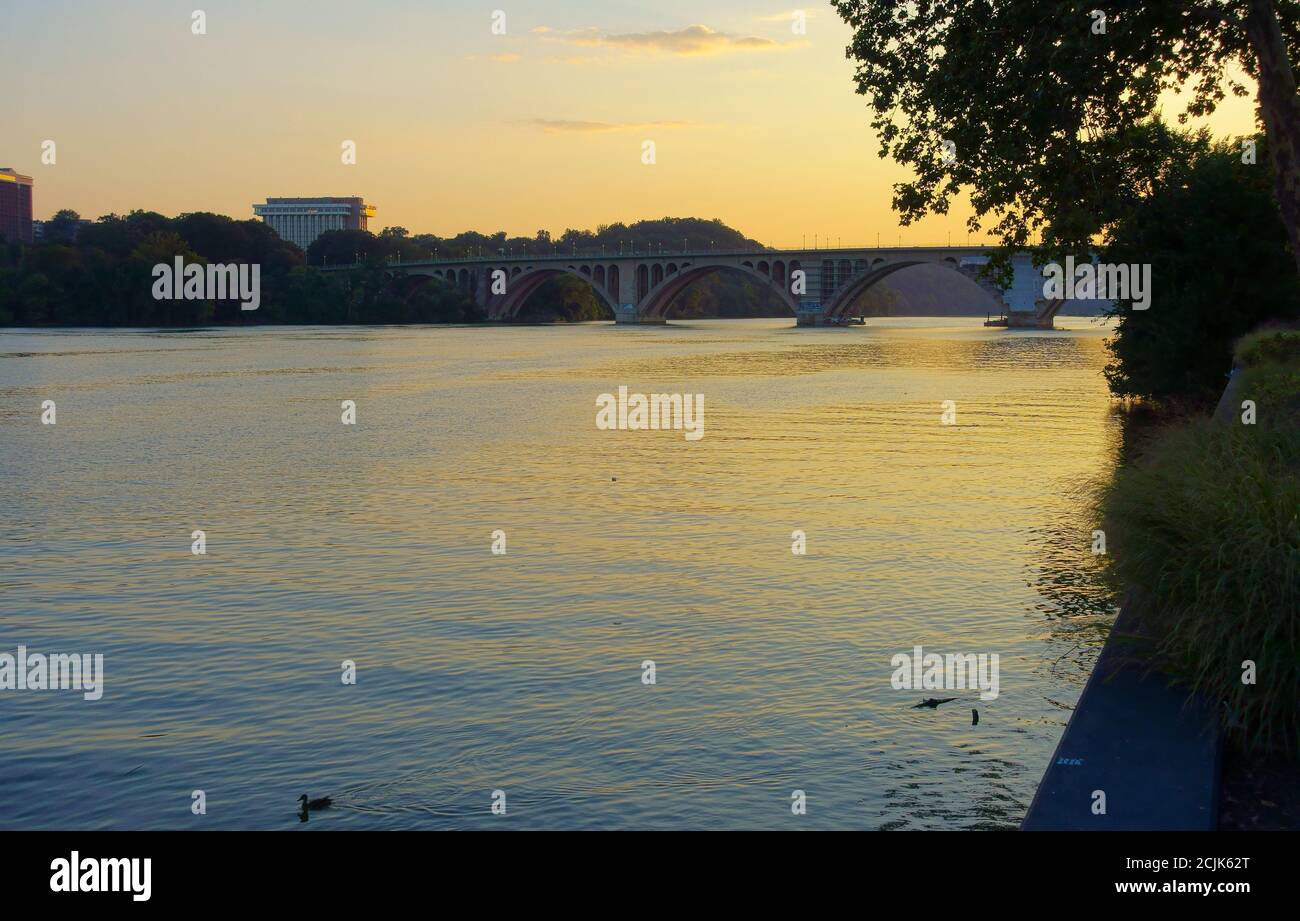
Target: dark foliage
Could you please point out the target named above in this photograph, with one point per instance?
(1220, 266)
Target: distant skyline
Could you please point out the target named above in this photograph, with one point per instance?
(457, 128)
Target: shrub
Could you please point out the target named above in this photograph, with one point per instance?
(1205, 528)
(1220, 266)
(1275, 388)
(1264, 346)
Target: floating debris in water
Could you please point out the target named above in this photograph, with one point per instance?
(933, 702)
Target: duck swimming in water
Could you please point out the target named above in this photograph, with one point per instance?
(313, 804)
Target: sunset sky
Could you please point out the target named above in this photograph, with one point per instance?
(456, 128)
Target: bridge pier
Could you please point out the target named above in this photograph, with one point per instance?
(1028, 319)
(810, 315)
(626, 313)
(1023, 319)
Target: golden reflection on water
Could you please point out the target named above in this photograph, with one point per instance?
(522, 672)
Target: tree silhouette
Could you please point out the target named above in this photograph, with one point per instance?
(1049, 104)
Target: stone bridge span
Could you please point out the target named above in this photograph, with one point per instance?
(820, 286)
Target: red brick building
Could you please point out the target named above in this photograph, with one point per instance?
(15, 206)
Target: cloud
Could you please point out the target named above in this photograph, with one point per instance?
(693, 40)
(564, 126)
(787, 16)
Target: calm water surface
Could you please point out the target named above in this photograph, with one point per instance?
(523, 672)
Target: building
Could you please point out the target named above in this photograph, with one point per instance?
(302, 220)
(15, 206)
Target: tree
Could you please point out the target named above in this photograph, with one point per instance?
(346, 247)
(1048, 104)
(62, 228)
(1217, 248)
(118, 235)
(147, 310)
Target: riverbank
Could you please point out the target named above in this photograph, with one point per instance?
(1204, 536)
(1137, 755)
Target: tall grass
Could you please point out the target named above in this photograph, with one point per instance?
(1205, 530)
(1278, 344)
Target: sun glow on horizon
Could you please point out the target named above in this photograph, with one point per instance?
(457, 128)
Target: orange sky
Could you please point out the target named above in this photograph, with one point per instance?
(457, 128)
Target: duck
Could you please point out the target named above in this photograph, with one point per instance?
(313, 804)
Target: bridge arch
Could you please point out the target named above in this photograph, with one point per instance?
(654, 305)
(462, 281)
(523, 286)
(838, 305)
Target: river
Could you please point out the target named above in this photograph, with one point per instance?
(523, 671)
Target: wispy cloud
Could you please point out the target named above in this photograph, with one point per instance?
(787, 16)
(693, 40)
(566, 126)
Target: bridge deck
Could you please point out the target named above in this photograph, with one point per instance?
(670, 255)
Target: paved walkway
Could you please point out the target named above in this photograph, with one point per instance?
(1152, 750)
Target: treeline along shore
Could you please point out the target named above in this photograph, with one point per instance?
(102, 273)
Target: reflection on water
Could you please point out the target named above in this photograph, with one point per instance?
(522, 672)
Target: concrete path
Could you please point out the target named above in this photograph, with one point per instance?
(1154, 752)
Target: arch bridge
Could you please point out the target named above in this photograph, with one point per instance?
(819, 286)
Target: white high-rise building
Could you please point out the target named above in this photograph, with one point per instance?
(302, 220)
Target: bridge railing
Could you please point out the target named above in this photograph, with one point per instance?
(822, 253)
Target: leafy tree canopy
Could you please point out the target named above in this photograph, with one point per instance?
(1219, 266)
(1049, 107)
